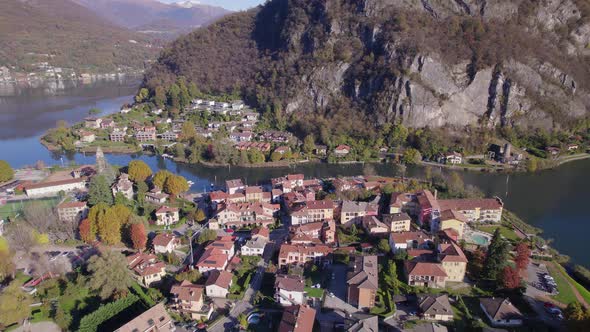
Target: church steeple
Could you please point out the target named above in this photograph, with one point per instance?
(101, 163)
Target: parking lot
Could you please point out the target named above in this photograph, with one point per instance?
(539, 279)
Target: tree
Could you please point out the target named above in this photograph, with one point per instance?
(411, 156)
(255, 156)
(39, 216)
(206, 236)
(243, 321)
(522, 256)
(391, 278)
(275, 156)
(190, 275)
(510, 277)
(99, 191)
(199, 216)
(308, 144)
(160, 178)
(176, 184)
(138, 236)
(188, 131)
(6, 172)
(532, 165)
(496, 257)
(87, 233)
(7, 266)
(109, 274)
(109, 227)
(456, 185)
(122, 213)
(383, 246)
(139, 171)
(398, 135)
(14, 304)
(142, 95)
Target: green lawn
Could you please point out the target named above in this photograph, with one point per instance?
(504, 231)
(11, 209)
(581, 289)
(566, 294)
(314, 292)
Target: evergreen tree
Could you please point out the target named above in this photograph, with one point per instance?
(496, 257)
(99, 191)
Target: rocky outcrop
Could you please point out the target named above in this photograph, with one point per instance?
(377, 60)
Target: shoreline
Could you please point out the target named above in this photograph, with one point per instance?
(285, 164)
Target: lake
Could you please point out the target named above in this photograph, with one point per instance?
(553, 200)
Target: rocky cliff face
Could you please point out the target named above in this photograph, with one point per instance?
(429, 62)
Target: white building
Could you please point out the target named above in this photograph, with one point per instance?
(53, 188)
(289, 290)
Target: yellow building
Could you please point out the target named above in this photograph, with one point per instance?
(453, 261)
(451, 219)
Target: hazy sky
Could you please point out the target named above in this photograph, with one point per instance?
(228, 4)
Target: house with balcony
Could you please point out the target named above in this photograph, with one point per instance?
(166, 215)
(188, 299)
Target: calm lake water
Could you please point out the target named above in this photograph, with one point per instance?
(553, 200)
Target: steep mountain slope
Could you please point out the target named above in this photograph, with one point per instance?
(153, 16)
(335, 64)
(67, 35)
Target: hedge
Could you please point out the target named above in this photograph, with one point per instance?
(92, 321)
(144, 297)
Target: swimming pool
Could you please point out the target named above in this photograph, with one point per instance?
(477, 238)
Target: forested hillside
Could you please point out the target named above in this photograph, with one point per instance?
(67, 35)
(354, 68)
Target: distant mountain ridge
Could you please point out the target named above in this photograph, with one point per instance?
(151, 16)
(65, 34)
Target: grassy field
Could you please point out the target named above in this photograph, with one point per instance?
(581, 289)
(314, 292)
(504, 231)
(11, 209)
(566, 294)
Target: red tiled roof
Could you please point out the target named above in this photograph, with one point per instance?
(165, 209)
(450, 252)
(323, 204)
(403, 237)
(188, 291)
(219, 278)
(163, 239)
(262, 231)
(290, 283)
(470, 204)
(297, 318)
(425, 269)
(213, 258)
(303, 249)
(452, 214)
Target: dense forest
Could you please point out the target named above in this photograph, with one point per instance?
(356, 69)
(67, 35)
